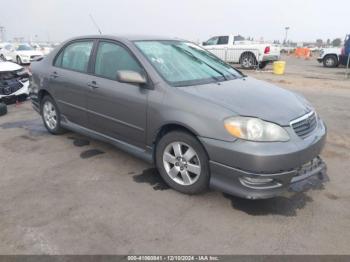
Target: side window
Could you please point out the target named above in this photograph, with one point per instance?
(223, 40)
(212, 41)
(58, 61)
(75, 56)
(111, 58)
(238, 38)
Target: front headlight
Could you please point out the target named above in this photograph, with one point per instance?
(255, 129)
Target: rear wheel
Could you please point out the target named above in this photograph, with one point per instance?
(182, 162)
(248, 60)
(330, 61)
(51, 116)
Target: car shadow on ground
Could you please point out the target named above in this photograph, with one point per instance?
(33, 126)
(284, 206)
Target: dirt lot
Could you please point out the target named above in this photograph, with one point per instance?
(73, 195)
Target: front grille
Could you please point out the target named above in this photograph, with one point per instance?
(7, 87)
(304, 125)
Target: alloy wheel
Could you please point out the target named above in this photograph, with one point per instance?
(329, 62)
(181, 162)
(50, 115)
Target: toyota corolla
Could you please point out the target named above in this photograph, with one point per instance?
(200, 121)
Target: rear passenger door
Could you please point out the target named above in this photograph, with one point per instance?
(68, 80)
(118, 110)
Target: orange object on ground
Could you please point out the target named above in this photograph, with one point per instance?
(303, 52)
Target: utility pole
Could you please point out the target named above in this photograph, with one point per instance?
(286, 36)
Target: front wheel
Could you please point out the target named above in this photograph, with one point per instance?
(51, 116)
(330, 61)
(182, 162)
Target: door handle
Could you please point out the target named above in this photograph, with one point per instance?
(54, 75)
(92, 84)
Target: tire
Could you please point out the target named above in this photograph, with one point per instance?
(262, 65)
(3, 109)
(189, 174)
(248, 60)
(330, 61)
(51, 116)
(2, 58)
(18, 60)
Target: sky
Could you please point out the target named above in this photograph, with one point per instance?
(195, 20)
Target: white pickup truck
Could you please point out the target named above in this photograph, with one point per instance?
(235, 49)
(329, 56)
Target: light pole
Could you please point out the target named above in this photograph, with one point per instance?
(286, 36)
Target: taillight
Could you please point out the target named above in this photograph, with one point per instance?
(267, 50)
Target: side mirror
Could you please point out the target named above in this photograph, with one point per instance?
(132, 77)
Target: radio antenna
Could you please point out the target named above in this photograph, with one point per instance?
(94, 22)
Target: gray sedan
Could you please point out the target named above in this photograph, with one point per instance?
(200, 121)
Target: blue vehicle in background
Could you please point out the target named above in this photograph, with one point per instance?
(344, 57)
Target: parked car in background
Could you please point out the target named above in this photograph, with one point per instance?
(2, 44)
(20, 53)
(235, 49)
(14, 81)
(174, 104)
(329, 56)
(44, 48)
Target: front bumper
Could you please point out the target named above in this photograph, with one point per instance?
(22, 91)
(245, 184)
(256, 170)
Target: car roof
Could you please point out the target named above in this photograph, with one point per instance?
(127, 37)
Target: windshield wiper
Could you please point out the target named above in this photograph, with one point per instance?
(212, 56)
(201, 61)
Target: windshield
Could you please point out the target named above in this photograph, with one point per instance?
(183, 63)
(24, 48)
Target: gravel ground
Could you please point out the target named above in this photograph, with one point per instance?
(73, 195)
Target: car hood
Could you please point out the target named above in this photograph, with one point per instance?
(30, 52)
(250, 97)
(9, 66)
